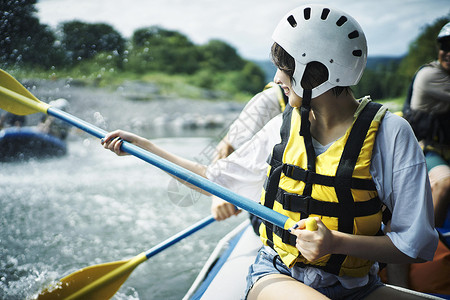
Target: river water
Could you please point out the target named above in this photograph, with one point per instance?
(90, 206)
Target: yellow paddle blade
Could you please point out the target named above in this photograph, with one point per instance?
(94, 282)
(16, 99)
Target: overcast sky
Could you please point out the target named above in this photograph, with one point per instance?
(390, 25)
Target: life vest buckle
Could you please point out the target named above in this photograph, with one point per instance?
(296, 203)
(288, 170)
(300, 174)
(309, 176)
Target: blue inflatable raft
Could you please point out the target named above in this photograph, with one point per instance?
(26, 143)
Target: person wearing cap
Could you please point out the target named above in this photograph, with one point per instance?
(335, 158)
(429, 115)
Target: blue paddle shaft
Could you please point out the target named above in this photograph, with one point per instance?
(179, 236)
(72, 120)
(188, 176)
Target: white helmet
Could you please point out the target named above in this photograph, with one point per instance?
(445, 32)
(326, 35)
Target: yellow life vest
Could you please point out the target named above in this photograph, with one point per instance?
(336, 186)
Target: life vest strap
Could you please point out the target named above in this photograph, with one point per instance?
(309, 177)
(285, 236)
(308, 205)
(269, 200)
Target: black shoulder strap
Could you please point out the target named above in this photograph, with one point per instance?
(347, 165)
(278, 149)
(350, 154)
(276, 167)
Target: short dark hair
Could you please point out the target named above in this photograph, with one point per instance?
(315, 73)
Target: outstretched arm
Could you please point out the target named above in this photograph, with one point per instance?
(114, 140)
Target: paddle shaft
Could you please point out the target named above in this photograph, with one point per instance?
(186, 175)
(27, 103)
(179, 236)
(17, 99)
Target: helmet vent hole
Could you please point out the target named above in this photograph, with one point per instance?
(353, 35)
(292, 21)
(341, 21)
(325, 13)
(307, 13)
(357, 53)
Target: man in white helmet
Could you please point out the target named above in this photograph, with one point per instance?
(320, 52)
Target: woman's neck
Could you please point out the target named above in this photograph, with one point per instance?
(331, 116)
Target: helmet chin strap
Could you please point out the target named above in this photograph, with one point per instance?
(306, 133)
(304, 113)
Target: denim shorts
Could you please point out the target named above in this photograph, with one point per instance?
(264, 265)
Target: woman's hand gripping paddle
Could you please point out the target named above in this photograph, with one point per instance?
(311, 224)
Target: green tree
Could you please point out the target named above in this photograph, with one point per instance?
(83, 41)
(369, 85)
(23, 40)
(381, 82)
(423, 49)
(158, 49)
(392, 78)
(392, 84)
(222, 68)
(252, 78)
(155, 36)
(219, 56)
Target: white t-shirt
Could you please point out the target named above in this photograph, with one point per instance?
(398, 169)
(262, 108)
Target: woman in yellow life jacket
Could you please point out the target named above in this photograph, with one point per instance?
(339, 160)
